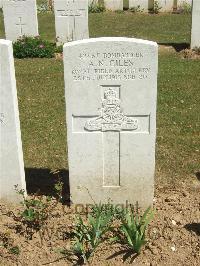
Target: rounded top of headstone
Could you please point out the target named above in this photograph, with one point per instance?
(2, 41)
(111, 39)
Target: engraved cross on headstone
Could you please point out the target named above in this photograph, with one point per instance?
(72, 11)
(111, 122)
(20, 24)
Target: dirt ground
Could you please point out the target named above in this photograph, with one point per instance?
(173, 236)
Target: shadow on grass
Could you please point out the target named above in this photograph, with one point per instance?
(195, 227)
(127, 253)
(177, 46)
(42, 181)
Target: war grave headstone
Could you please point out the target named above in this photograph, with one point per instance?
(113, 4)
(71, 20)
(20, 18)
(111, 88)
(11, 156)
(195, 32)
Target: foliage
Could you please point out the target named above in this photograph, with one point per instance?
(36, 210)
(156, 8)
(89, 235)
(58, 187)
(96, 7)
(33, 47)
(134, 228)
(7, 242)
(43, 6)
(185, 7)
(59, 49)
(136, 9)
(197, 50)
(14, 250)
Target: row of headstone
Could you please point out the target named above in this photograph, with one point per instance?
(163, 5)
(110, 86)
(71, 18)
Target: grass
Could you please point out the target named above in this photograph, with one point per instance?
(41, 94)
(162, 28)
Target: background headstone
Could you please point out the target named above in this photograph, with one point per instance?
(111, 87)
(166, 5)
(1, 3)
(20, 18)
(71, 19)
(195, 35)
(11, 156)
(113, 4)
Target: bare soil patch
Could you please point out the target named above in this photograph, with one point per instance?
(173, 236)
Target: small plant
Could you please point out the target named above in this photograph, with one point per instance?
(36, 210)
(96, 7)
(59, 49)
(7, 242)
(33, 47)
(134, 227)
(185, 8)
(136, 9)
(156, 8)
(58, 187)
(88, 236)
(196, 50)
(44, 7)
(14, 250)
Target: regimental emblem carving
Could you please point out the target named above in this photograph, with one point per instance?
(112, 117)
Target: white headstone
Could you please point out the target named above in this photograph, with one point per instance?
(20, 18)
(113, 4)
(195, 36)
(166, 5)
(142, 4)
(11, 156)
(71, 19)
(111, 87)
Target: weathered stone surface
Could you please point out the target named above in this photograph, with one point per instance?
(71, 19)
(20, 18)
(195, 35)
(113, 4)
(111, 87)
(11, 156)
